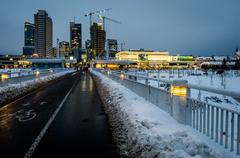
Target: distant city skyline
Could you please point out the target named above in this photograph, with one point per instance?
(187, 27)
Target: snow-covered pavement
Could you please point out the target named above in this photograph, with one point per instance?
(142, 129)
(13, 90)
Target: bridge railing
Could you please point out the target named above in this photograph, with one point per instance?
(219, 123)
(27, 75)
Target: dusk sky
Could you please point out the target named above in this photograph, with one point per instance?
(203, 27)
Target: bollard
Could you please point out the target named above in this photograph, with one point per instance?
(180, 109)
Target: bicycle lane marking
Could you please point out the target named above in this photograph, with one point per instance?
(27, 115)
(45, 128)
(21, 115)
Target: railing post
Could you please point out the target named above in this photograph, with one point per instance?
(212, 121)
(204, 118)
(226, 130)
(221, 128)
(217, 122)
(194, 112)
(238, 134)
(208, 120)
(232, 132)
(200, 112)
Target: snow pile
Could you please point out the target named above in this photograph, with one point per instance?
(141, 129)
(13, 90)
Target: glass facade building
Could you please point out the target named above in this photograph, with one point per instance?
(43, 34)
(75, 35)
(29, 43)
(28, 34)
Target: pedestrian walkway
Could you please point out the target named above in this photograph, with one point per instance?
(80, 128)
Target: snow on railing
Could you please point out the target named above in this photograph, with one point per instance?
(220, 124)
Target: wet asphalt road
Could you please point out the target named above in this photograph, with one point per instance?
(79, 130)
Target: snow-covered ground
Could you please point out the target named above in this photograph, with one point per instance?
(229, 81)
(142, 129)
(15, 70)
(10, 91)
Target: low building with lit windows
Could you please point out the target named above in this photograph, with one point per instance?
(44, 63)
(156, 59)
(14, 61)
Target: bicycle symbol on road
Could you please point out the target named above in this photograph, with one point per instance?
(22, 115)
(25, 115)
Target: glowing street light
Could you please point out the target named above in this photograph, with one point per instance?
(108, 72)
(179, 88)
(4, 77)
(37, 73)
(180, 91)
(122, 76)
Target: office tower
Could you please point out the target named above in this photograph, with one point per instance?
(75, 35)
(64, 49)
(88, 50)
(49, 37)
(88, 44)
(55, 52)
(28, 48)
(98, 36)
(43, 34)
(112, 46)
(76, 40)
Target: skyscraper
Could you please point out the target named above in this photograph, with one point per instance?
(64, 49)
(98, 36)
(76, 40)
(28, 48)
(55, 52)
(43, 34)
(112, 45)
(75, 35)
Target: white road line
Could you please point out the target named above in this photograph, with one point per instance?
(45, 128)
(74, 73)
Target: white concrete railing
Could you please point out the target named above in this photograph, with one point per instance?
(28, 75)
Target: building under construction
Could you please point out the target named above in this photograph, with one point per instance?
(98, 37)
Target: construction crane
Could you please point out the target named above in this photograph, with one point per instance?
(96, 12)
(103, 18)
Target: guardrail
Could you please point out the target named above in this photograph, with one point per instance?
(220, 124)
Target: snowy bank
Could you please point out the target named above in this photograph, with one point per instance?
(13, 90)
(141, 129)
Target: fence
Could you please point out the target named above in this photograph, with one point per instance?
(219, 123)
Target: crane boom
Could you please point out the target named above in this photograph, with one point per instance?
(103, 18)
(112, 20)
(96, 12)
(103, 11)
